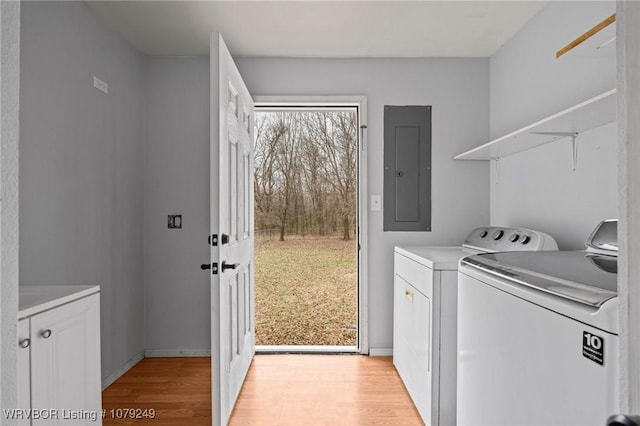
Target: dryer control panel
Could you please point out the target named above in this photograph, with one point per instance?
(498, 238)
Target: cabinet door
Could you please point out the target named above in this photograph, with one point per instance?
(412, 344)
(65, 362)
(24, 385)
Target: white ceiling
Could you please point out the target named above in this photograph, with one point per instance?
(337, 29)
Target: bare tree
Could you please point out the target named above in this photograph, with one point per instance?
(335, 132)
(287, 172)
(306, 171)
(265, 160)
(313, 168)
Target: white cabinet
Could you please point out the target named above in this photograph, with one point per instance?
(60, 368)
(424, 337)
(411, 349)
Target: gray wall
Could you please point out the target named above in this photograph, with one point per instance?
(177, 170)
(457, 89)
(538, 188)
(177, 182)
(81, 159)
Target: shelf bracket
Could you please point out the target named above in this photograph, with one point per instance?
(574, 150)
(574, 143)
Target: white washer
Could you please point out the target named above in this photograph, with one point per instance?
(538, 336)
(425, 305)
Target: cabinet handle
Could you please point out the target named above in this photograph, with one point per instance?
(24, 343)
(409, 294)
(45, 333)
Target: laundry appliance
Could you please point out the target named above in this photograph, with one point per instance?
(425, 306)
(538, 336)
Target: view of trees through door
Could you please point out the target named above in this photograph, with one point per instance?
(305, 226)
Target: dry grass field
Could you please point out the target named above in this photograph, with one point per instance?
(306, 291)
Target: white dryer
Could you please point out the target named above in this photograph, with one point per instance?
(424, 314)
(538, 336)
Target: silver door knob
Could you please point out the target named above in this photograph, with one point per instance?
(24, 343)
(46, 333)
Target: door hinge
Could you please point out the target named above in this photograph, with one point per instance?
(213, 239)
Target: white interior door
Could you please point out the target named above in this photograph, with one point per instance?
(232, 283)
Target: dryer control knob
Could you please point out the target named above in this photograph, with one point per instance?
(514, 237)
(483, 234)
(525, 239)
(498, 234)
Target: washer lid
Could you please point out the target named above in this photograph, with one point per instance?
(583, 277)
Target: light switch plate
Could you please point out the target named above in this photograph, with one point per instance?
(376, 203)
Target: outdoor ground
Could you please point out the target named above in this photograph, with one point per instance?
(306, 291)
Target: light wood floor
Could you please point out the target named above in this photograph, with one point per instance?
(279, 390)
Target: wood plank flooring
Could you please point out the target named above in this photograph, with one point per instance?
(279, 390)
(178, 389)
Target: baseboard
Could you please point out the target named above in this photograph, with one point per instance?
(380, 351)
(120, 371)
(176, 353)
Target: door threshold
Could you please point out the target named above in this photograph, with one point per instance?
(306, 349)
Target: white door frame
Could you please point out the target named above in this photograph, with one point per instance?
(9, 141)
(628, 64)
(360, 102)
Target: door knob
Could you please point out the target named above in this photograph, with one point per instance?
(213, 266)
(213, 239)
(226, 266)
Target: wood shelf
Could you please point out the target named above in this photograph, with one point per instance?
(587, 115)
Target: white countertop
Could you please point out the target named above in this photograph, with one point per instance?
(36, 299)
(441, 258)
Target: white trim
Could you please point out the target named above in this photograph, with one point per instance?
(9, 216)
(628, 21)
(176, 353)
(380, 352)
(302, 101)
(363, 234)
(306, 108)
(359, 101)
(305, 349)
(120, 371)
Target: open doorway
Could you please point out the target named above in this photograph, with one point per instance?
(307, 227)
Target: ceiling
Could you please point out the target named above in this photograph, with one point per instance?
(334, 29)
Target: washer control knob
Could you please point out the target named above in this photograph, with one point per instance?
(525, 239)
(484, 233)
(514, 237)
(498, 234)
